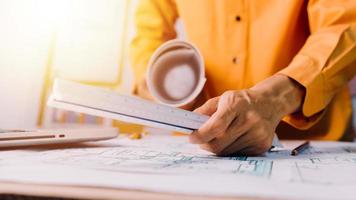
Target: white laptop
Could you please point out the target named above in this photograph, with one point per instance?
(15, 138)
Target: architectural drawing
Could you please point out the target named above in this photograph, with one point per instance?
(171, 164)
(174, 155)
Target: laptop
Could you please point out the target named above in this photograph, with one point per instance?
(16, 138)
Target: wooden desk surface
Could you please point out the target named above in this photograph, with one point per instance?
(68, 192)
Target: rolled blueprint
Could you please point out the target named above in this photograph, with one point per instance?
(176, 73)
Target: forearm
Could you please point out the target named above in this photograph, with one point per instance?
(283, 93)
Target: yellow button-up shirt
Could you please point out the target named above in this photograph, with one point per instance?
(246, 41)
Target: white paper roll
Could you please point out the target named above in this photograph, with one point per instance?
(176, 73)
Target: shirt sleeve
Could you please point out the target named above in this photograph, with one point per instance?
(327, 61)
(155, 24)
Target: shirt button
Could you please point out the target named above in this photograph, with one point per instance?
(238, 18)
(235, 60)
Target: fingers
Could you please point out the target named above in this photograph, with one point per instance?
(253, 142)
(229, 149)
(216, 125)
(226, 110)
(238, 124)
(205, 135)
(209, 107)
(248, 151)
(236, 129)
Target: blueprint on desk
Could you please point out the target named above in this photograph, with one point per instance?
(164, 163)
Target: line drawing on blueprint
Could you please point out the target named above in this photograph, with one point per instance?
(151, 161)
(321, 164)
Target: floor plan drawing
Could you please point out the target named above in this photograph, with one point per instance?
(325, 166)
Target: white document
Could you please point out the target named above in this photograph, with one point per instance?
(170, 164)
(102, 102)
(98, 101)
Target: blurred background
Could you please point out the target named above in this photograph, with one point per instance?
(81, 40)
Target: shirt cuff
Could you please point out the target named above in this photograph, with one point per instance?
(303, 70)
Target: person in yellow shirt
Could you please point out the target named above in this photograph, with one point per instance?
(272, 66)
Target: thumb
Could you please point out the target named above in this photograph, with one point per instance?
(209, 107)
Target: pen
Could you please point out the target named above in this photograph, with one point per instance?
(300, 148)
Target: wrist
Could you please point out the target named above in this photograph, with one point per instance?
(282, 93)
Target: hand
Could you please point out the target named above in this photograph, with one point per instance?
(244, 121)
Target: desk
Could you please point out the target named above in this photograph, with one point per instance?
(65, 192)
(171, 168)
(19, 191)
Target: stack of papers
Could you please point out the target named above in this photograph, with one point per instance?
(163, 163)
